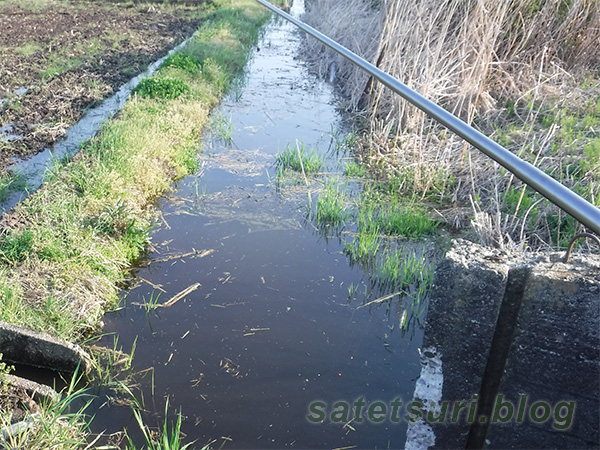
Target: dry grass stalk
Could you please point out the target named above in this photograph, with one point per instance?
(180, 295)
(474, 57)
(337, 19)
(194, 253)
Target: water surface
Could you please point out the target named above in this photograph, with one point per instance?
(271, 328)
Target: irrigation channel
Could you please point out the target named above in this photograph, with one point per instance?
(276, 321)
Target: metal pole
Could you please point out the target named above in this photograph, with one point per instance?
(567, 200)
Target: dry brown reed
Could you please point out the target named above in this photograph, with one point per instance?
(515, 69)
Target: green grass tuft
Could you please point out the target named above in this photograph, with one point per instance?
(383, 208)
(300, 159)
(15, 247)
(355, 169)
(331, 211)
(405, 220)
(181, 61)
(161, 88)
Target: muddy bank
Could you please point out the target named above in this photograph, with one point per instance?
(61, 57)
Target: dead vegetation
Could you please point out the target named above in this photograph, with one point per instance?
(525, 73)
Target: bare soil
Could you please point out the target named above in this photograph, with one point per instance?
(60, 57)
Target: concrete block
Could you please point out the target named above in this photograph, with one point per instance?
(513, 325)
(468, 288)
(555, 357)
(21, 345)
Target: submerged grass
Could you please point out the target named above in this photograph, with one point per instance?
(377, 226)
(377, 223)
(168, 438)
(11, 182)
(221, 127)
(294, 163)
(408, 276)
(398, 271)
(364, 247)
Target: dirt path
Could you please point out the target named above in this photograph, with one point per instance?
(58, 58)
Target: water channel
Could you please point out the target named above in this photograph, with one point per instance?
(270, 328)
(33, 169)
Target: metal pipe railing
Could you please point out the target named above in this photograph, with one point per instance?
(560, 195)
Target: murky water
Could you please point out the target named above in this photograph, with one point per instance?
(270, 329)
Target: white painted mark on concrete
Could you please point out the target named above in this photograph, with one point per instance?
(428, 390)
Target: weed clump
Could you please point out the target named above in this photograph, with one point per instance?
(189, 63)
(331, 211)
(355, 169)
(300, 159)
(15, 247)
(161, 88)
